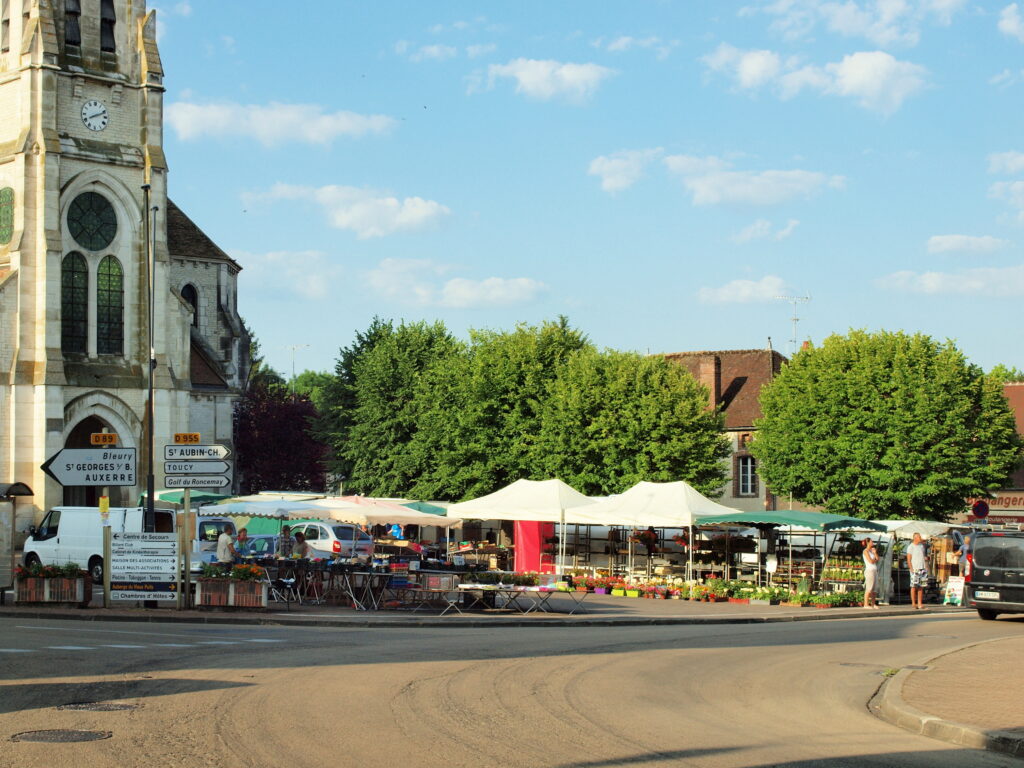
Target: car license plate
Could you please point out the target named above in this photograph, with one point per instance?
(984, 595)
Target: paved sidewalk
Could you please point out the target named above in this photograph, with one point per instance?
(973, 697)
(600, 611)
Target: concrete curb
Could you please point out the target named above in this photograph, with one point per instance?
(889, 704)
(444, 622)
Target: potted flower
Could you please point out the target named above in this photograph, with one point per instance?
(241, 587)
(38, 583)
(632, 590)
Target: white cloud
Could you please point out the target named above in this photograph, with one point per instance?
(1006, 163)
(744, 291)
(481, 49)
(884, 22)
(548, 79)
(981, 281)
(1010, 22)
(309, 274)
(365, 211)
(763, 229)
(750, 69)
(1006, 78)
(621, 170)
(878, 81)
(1012, 192)
(711, 183)
(421, 282)
(271, 124)
(434, 53)
(965, 243)
(624, 43)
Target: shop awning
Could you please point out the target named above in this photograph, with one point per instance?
(817, 521)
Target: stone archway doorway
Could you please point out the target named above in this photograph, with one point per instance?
(88, 496)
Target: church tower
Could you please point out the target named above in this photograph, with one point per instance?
(81, 121)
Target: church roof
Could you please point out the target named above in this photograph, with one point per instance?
(186, 240)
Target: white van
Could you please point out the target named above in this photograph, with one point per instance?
(75, 535)
(204, 539)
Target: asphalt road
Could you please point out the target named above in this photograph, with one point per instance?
(789, 695)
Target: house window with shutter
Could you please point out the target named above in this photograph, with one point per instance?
(744, 476)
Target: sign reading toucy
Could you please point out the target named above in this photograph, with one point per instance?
(144, 566)
(93, 466)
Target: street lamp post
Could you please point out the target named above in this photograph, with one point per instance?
(149, 232)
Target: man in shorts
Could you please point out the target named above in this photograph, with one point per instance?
(918, 571)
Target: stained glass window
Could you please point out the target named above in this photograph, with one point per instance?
(110, 307)
(107, 21)
(92, 221)
(74, 304)
(6, 215)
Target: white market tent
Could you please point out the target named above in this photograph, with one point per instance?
(905, 529)
(661, 505)
(544, 501)
(346, 509)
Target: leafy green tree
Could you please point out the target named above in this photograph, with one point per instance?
(337, 399)
(387, 414)
(313, 385)
(613, 419)
(481, 410)
(885, 425)
(1006, 373)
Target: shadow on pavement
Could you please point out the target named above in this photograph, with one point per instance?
(953, 757)
(17, 698)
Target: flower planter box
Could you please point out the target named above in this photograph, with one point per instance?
(231, 593)
(619, 592)
(758, 601)
(825, 605)
(601, 591)
(632, 593)
(740, 600)
(717, 599)
(32, 591)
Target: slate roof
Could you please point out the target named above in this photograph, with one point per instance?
(744, 372)
(186, 240)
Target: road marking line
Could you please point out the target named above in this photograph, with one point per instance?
(16, 650)
(115, 645)
(111, 631)
(72, 647)
(217, 642)
(262, 640)
(174, 645)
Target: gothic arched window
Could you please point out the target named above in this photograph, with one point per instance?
(72, 27)
(107, 20)
(6, 215)
(191, 295)
(74, 304)
(110, 307)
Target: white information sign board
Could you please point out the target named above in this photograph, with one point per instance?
(144, 566)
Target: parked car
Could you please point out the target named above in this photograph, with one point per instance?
(329, 540)
(75, 535)
(995, 573)
(204, 544)
(262, 545)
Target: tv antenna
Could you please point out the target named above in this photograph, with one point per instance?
(796, 301)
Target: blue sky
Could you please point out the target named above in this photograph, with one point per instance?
(657, 171)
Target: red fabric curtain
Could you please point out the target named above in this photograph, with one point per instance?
(532, 554)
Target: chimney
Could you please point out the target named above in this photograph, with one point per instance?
(709, 373)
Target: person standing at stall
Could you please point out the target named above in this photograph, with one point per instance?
(918, 564)
(284, 542)
(870, 573)
(965, 548)
(225, 550)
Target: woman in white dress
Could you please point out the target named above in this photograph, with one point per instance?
(870, 573)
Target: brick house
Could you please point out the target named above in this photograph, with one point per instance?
(734, 378)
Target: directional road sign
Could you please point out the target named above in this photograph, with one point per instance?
(195, 452)
(196, 481)
(92, 466)
(196, 467)
(144, 566)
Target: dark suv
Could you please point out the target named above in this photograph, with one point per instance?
(995, 579)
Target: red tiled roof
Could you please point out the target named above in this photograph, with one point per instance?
(743, 373)
(1014, 392)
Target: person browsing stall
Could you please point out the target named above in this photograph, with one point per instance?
(918, 564)
(870, 573)
(243, 544)
(225, 550)
(285, 542)
(301, 548)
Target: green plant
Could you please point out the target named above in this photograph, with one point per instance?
(211, 571)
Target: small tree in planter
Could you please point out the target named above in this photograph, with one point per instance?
(38, 583)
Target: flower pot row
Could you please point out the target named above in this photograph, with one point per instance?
(63, 591)
(231, 593)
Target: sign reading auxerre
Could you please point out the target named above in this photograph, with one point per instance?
(93, 466)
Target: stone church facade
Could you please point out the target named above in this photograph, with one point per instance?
(81, 132)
